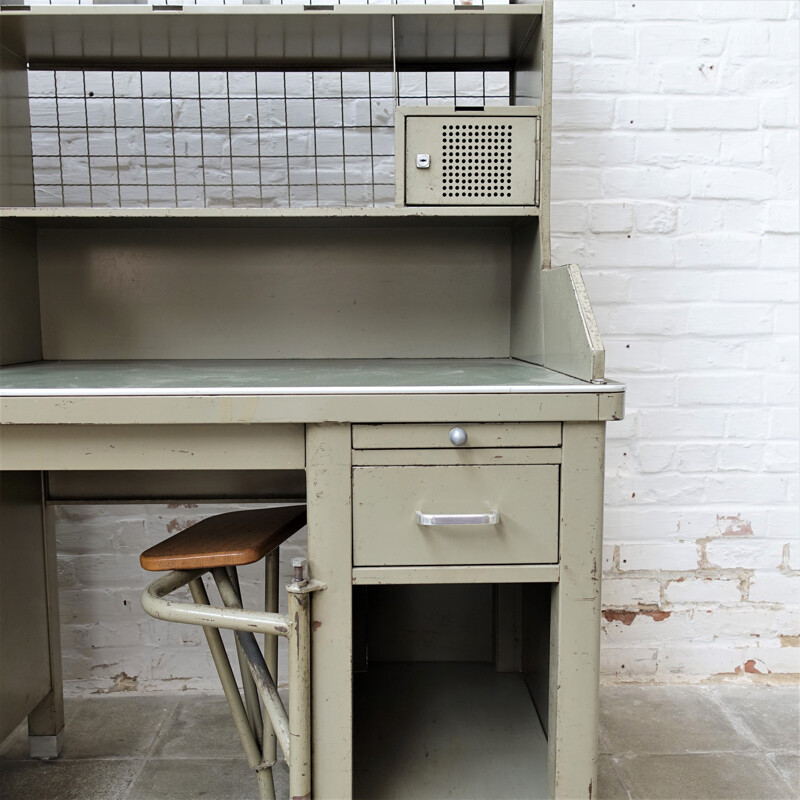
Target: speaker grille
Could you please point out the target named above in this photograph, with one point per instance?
(476, 160)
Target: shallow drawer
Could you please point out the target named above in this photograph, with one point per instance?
(387, 502)
(479, 434)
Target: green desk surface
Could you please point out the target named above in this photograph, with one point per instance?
(272, 377)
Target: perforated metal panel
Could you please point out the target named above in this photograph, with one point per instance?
(471, 159)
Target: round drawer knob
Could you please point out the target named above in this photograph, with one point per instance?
(458, 436)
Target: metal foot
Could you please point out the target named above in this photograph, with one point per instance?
(46, 746)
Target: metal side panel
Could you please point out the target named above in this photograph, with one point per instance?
(24, 652)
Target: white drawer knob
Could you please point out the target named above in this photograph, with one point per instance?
(458, 437)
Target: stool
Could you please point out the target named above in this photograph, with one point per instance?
(218, 545)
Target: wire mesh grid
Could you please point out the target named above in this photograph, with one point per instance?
(253, 139)
(245, 139)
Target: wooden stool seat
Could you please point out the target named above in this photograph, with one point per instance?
(226, 540)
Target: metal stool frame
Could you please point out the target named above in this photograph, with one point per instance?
(292, 731)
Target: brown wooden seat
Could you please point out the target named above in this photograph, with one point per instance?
(226, 540)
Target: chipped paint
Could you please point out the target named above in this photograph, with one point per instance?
(789, 641)
(627, 617)
(734, 525)
(122, 683)
(751, 668)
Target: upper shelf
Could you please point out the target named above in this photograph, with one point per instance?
(272, 37)
(276, 217)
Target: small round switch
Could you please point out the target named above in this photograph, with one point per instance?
(458, 437)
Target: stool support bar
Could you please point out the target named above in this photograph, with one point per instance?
(292, 730)
(156, 605)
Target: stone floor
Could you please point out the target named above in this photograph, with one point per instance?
(682, 743)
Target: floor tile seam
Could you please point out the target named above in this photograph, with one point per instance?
(735, 720)
(621, 777)
(628, 754)
(237, 759)
(781, 777)
(134, 778)
(68, 759)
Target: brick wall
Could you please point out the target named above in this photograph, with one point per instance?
(675, 186)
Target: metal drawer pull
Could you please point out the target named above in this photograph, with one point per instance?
(489, 518)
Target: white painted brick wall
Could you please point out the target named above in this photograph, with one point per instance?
(675, 188)
(675, 177)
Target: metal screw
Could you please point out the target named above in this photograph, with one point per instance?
(299, 569)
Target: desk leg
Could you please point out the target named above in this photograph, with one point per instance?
(575, 618)
(30, 656)
(328, 481)
(46, 721)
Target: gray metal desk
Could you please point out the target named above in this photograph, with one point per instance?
(327, 418)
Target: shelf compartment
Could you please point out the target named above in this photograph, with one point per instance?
(455, 730)
(285, 37)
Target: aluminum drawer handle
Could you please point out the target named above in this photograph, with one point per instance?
(489, 518)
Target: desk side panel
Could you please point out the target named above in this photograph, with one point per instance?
(16, 159)
(330, 561)
(24, 652)
(20, 329)
(573, 712)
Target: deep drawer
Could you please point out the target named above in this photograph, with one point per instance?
(479, 434)
(387, 530)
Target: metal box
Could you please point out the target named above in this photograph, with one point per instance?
(449, 157)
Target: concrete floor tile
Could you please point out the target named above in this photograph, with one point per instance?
(772, 713)
(788, 764)
(190, 779)
(708, 776)
(201, 727)
(609, 785)
(666, 719)
(116, 727)
(66, 780)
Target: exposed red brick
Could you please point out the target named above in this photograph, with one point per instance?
(734, 525)
(627, 617)
(750, 668)
(177, 525)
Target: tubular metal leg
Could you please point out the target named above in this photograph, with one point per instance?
(248, 684)
(251, 748)
(271, 601)
(299, 691)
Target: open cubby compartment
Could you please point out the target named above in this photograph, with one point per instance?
(451, 691)
(158, 288)
(248, 107)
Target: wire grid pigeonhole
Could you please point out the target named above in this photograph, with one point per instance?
(188, 138)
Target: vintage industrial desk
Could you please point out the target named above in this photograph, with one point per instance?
(235, 349)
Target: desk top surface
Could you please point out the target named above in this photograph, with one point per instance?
(289, 377)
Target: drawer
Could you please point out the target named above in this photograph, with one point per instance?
(479, 434)
(388, 532)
